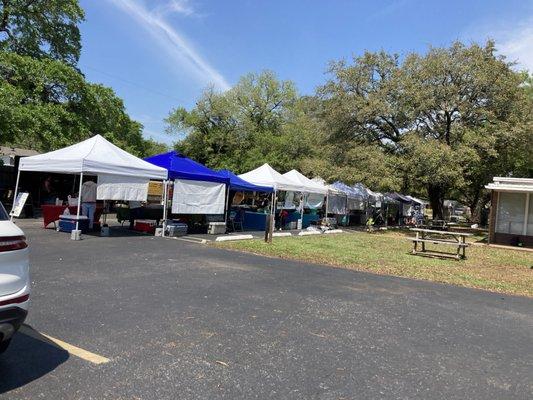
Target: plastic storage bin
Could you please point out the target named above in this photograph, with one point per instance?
(67, 223)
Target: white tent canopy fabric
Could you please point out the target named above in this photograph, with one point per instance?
(330, 188)
(307, 185)
(265, 175)
(92, 156)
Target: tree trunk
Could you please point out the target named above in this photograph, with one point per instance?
(475, 209)
(478, 207)
(436, 200)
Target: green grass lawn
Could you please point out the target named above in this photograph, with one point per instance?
(500, 270)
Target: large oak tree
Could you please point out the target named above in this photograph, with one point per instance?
(451, 118)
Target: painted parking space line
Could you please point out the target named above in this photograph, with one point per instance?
(71, 349)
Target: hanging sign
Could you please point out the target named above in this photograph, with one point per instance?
(19, 204)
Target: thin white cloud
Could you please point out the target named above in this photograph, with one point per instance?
(517, 44)
(173, 42)
(513, 38)
(176, 6)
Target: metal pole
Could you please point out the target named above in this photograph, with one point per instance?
(271, 220)
(79, 203)
(302, 211)
(327, 206)
(226, 209)
(16, 192)
(165, 200)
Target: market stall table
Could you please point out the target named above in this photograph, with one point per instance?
(52, 212)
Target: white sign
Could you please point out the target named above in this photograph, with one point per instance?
(19, 204)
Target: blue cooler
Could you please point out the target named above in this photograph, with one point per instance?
(67, 223)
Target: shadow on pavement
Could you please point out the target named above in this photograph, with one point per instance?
(28, 358)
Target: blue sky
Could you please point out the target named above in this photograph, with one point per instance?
(160, 54)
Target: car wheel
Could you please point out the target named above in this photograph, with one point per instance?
(4, 345)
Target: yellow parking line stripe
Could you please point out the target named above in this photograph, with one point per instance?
(75, 351)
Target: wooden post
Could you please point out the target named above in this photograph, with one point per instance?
(268, 230)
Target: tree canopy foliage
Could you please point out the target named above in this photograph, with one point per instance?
(45, 102)
(439, 124)
(41, 28)
(261, 119)
(450, 119)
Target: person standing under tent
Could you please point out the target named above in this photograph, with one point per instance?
(88, 200)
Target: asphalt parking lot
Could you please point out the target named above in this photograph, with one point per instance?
(182, 320)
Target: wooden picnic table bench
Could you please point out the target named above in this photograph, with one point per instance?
(456, 239)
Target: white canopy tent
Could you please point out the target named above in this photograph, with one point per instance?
(265, 175)
(308, 187)
(95, 156)
(332, 191)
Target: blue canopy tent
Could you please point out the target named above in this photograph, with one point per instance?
(182, 168)
(239, 184)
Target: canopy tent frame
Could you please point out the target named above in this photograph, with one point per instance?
(94, 156)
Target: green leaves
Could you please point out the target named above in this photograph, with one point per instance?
(448, 120)
(41, 28)
(259, 120)
(46, 104)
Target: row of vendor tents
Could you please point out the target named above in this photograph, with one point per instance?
(197, 189)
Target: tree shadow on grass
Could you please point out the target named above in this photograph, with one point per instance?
(29, 357)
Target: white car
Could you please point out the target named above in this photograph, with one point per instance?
(14, 279)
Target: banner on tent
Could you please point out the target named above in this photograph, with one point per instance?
(119, 187)
(198, 197)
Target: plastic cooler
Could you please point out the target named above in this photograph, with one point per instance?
(175, 228)
(144, 226)
(67, 223)
(217, 228)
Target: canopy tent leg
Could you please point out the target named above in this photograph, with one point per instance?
(272, 211)
(79, 202)
(165, 203)
(15, 194)
(302, 210)
(327, 206)
(226, 209)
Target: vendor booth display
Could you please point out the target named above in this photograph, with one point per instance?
(335, 199)
(312, 192)
(121, 175)
(245, 217)
(405, 209)
(265, 175)
(197, 190)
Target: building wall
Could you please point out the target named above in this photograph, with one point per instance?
(512, 240)
(492, 216)
(504, 238)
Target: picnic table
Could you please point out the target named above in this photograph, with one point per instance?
(454, 239)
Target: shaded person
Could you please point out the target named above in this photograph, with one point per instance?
(88, 200)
